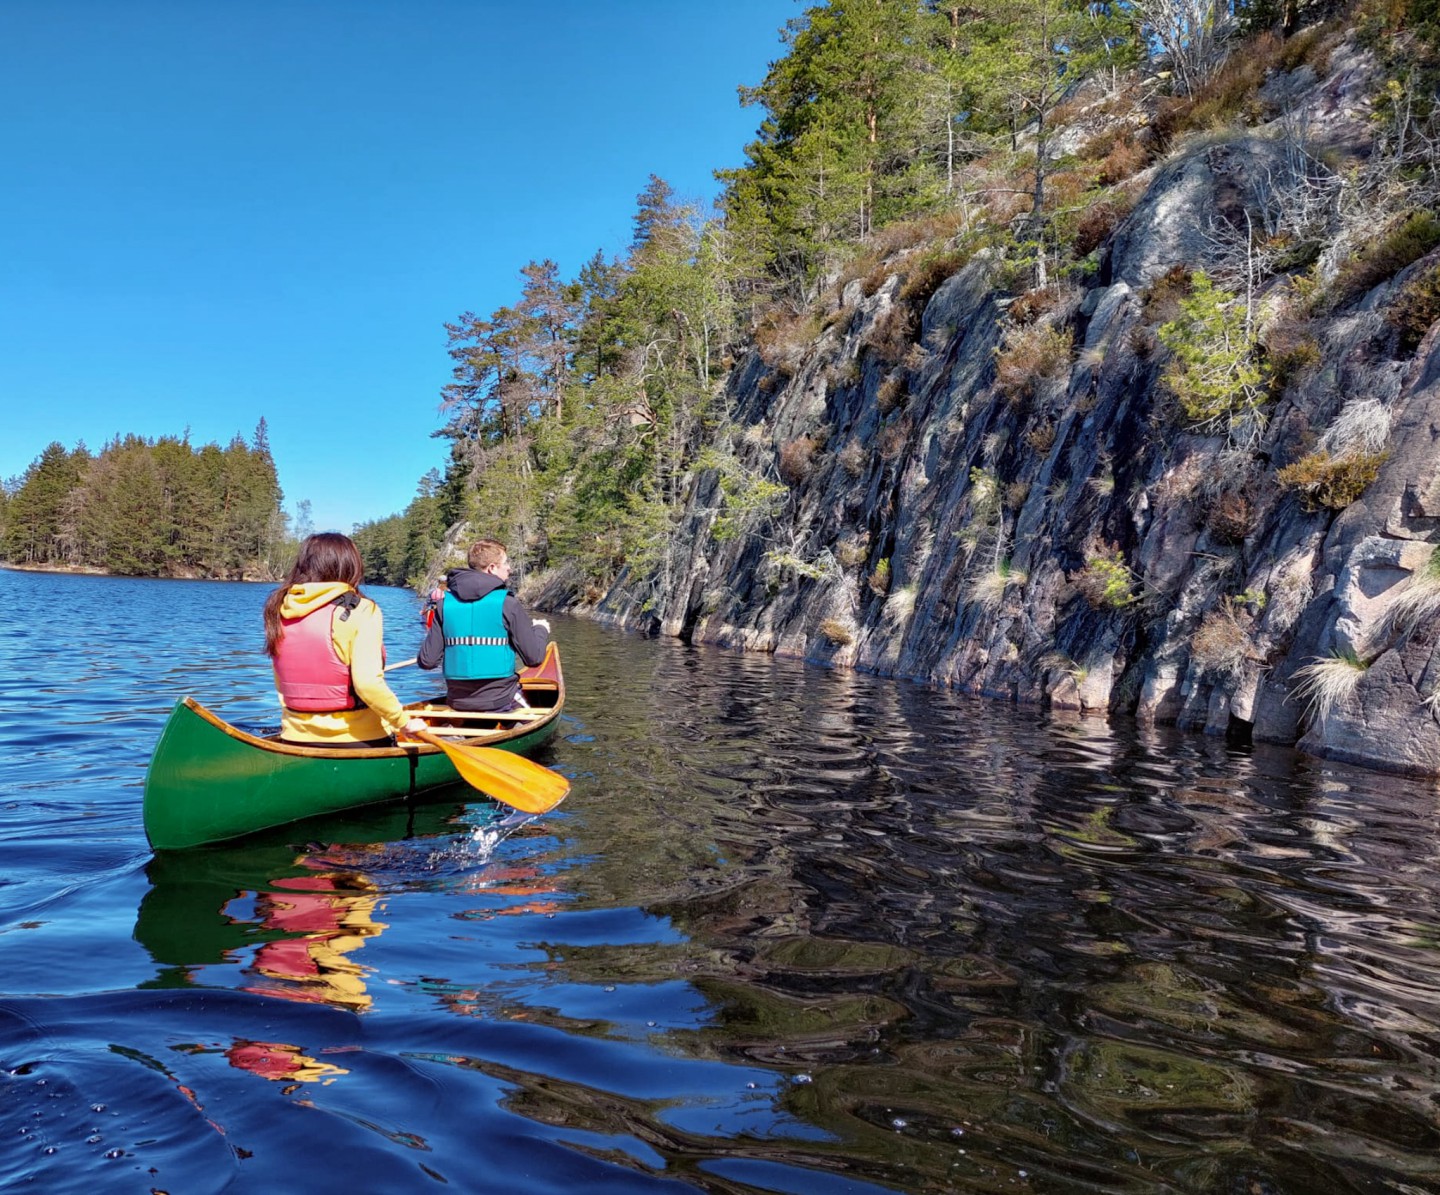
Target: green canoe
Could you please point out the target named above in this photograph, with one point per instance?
(210, 781)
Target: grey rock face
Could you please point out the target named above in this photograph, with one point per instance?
(947, 523)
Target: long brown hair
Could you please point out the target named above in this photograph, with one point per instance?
(328, 556)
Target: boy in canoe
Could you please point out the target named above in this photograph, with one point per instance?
(482, 634)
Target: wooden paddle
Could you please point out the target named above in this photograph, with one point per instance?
(507, 777)
(402, 664)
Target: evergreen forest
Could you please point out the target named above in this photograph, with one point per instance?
(150, 508)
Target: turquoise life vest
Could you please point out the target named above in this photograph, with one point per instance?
(477, 645)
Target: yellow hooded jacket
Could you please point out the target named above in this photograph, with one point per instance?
(358, 641)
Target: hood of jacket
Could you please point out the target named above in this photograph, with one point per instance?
(301, 600)
(470, 585)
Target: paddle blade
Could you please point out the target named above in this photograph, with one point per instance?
(513, 779)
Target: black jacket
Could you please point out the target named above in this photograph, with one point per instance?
(527, 639)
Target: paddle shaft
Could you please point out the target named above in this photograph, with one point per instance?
(402, 664)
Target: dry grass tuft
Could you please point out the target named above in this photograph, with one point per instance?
(853, 459)
(1418, 601)
(781, 336)
(893, 438)
(988, 590)
(891, 394)
(1362, 428)
(797, 460)
(1220, 645)
(1325, 685)
(1028, 357)
(1386, 255)
(900, 606)
(890, 336)
(838, 632)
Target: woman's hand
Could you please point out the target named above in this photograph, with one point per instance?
(416, 726)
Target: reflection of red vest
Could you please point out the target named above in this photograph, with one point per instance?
(308, 671)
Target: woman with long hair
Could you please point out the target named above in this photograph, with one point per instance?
(326, 642)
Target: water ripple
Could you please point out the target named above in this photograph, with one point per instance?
(794, 931)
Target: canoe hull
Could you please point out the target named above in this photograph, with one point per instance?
(210, 782)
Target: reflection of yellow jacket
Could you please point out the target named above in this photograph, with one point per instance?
(358, 641)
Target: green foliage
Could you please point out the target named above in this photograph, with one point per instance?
(1416, 308)
(1213, 372)
(747, 497)
(1106, 581)
(37, 522)
(879, 579)
(401, 549)
(1331, 482)
(876, 104)
(1386, 255)
(811, 570)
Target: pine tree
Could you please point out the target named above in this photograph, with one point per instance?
(35, 520)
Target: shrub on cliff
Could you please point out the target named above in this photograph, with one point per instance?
(1213, 371)
(797, 460)
(891, 334)
(1416, 309)
(1029, 356)
(1106, 581)
(1220, 646)
(1386, 256)
(746, 497)
(1331, 482)
(879, 580)
(929, 273)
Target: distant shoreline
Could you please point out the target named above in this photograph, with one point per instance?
(90, 571)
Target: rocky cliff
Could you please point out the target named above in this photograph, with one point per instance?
(993, 488)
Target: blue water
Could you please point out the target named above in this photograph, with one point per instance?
(793, 931)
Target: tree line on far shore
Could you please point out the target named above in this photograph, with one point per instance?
(150, 508)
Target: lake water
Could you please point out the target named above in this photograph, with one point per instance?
(793, 931)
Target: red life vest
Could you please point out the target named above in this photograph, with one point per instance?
(308, 671)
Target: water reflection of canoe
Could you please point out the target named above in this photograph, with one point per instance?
(210, 781)
(189, 916)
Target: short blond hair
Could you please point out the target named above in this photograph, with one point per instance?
(486, 553)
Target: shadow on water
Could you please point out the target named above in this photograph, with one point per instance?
(793, 931)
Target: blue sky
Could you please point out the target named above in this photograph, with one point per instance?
(217, 210)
